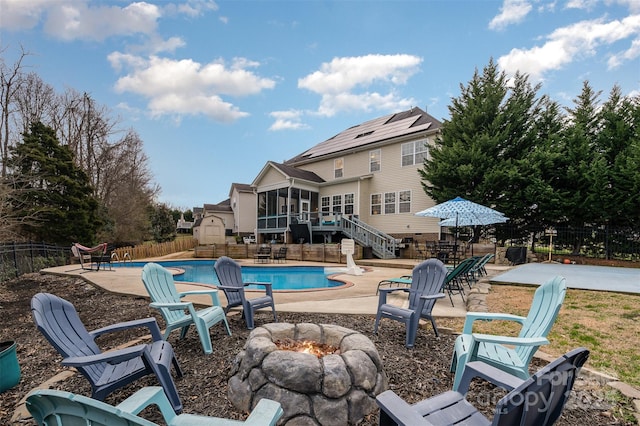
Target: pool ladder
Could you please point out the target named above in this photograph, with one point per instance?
(116, 258)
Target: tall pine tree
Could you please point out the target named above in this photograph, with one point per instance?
(52, 195)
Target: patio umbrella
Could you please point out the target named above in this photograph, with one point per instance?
(462, 212)
(474, 221)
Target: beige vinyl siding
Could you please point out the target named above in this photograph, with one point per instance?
(245, 215)
(342, 189)
(354, 165)
(392, 177)
(272, 179)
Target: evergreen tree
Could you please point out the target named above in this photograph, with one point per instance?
(483, 153)
(582, 164)
(51, 193)
(163, 227)
(469, 143)
(618, 141)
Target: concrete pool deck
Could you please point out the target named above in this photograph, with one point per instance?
(357, 298)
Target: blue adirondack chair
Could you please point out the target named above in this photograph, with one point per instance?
(59, 408)
(229, 275)
(60, 324)
(180, 314)
(515, 357)
(426, 285)
(536, 401)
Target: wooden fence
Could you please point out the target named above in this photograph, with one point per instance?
(145, 251)
(302, 252)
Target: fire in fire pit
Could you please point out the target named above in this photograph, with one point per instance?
(335, 382)
(307, 346)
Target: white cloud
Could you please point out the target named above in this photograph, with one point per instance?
(571, 43)
(581, 4)
(511, 12)
(287, 120)
(188, 87)
(339, 80)
(84, 20)
(80, 20)
(21, 14)
(195, 8)
(630, 54)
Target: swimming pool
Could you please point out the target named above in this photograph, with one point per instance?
(281, 277)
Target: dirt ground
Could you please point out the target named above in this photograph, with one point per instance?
(414, 374)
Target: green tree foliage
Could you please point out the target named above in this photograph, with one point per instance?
(506, 148)
(163, 227)
(52, 195)
(618, 144)
(470, 141)
(486, 144)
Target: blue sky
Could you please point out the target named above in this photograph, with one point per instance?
(217, 89)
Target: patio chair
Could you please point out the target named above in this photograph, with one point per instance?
(404, 280)
(478, 269)
(229, 275)
(84, 259)
(280, 255)
(262, 254)
(536, 401)
(59, 408)
(426, 284)
(98, 255)
(58, 321)
(454, 282)
(178, 313)
(510, 354)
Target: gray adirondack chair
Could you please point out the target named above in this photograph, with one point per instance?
(58, 321)
(536, 401)
(59, 408)
(510, 354)
(229, 275)
(178, 313)
(426, 286)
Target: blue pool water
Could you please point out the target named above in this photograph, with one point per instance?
(281, 277)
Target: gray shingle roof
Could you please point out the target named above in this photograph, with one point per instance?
(298, 173)
(374, 131)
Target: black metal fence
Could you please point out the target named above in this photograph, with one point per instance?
(594, 242)
(22, 258)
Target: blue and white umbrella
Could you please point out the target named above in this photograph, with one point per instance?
(461, 212)
(475, 220)
(464, 212)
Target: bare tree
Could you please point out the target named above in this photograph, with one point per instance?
(34, 101)
(11, 80)
(126, 187)
(117, 167)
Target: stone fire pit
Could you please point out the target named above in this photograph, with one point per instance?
(336, 389)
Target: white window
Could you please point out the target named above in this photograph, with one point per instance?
(374, 160)
(414, 153)
(376, 204)
(348, 203)
(404, 202)
(338, 166)
(337, 203)
(325, 205)
(389, 202)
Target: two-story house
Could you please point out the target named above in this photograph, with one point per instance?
(362, 183)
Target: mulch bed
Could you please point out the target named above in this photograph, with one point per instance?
(413, 374)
